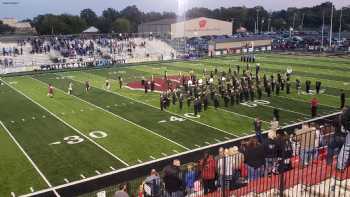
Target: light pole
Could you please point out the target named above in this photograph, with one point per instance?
(341, 15)
(257, 20)
(331, 28)
(268, 24)
(322, 30)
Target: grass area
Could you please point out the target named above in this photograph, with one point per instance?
(14, 166)
(70, 137)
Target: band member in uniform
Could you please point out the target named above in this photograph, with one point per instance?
(161, 102)
(107, 85)
(205, 102)
(259, 91)
(318, 87)
(226, 99)
(70, 88)
(342, 99)
(216, 101)
(298, 86)
(87, 86)
(288, 87)
(50, 91)
(308, 86)
(181, 101)
(120, 79)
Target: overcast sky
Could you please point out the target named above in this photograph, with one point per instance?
(31, 8)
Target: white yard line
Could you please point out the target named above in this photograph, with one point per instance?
(239, 114)
(282, 109)
(29, 159)
(306, 101)
(54, 115)
(115, 115)
(165, 110)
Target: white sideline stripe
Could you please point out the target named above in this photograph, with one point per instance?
(82, 176)
(162, 159)
(31, 189)
(112, 168)
(152, 157)
(97, 172)
(306, 101)
(282, 109)
(165, 110)
(238, 114)
(27, 156)
(113, 114)
(54, 115)
(66, 180)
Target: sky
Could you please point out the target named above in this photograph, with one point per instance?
(31, 8)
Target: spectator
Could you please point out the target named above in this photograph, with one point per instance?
(172, 181)
(344, 154)
(152, 185)
(233, 165)
(207, 170)
(306, 136)
(190, 178)
(122, 192)
(257, 128)
(220, 169)
(254, 157)
(271, 149)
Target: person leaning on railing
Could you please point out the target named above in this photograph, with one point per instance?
(306, 137)
(207, 167)
(254, 157)
(344, 154)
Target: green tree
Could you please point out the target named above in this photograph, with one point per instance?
(121, 25)
(89, 16)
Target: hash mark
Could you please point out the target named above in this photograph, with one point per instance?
(66, 180)
(197, 145)
(13, 194)
(217, 140)
(33, 118)
(43, 116)
(175, 151)
(31, 189)
(82, 110)
(227, 138)
(97, 172)
(164, 154)
(207, 143)
(12, 121)
(112, 168)
(152, 157)
(82, 176)
(23, 120)
(139, 161)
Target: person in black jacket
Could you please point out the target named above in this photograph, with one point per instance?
(342, 99)
(172, 180)
(254, 158)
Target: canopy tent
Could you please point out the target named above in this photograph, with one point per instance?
(90, 30)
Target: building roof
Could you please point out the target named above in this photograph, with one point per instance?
(167, 21)
(91, 29)
(248, 38)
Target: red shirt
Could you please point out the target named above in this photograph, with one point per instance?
(314, 102)
(208, 168)
(50, 89)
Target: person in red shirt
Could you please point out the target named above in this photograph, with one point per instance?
(314, 104)
(50, 91)
(208, 170)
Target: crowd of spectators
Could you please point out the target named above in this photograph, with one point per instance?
(257, 157)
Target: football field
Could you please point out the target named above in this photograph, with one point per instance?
(46, 142)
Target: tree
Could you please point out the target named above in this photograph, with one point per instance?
(89, 16)
(134, 15)
(121, 25)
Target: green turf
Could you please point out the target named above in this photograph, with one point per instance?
(82, 116)
(137, 131)
(55, 161)
(15, 167)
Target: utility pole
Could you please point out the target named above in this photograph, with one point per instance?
(294, 20)
(322, 29)
(331, 28)
(302, 22)
(257, 20)
(262, 24)
(268, 24)
(341, 15)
